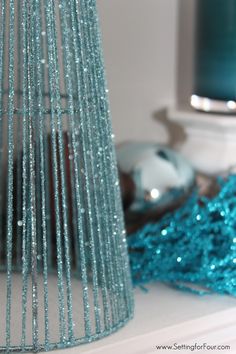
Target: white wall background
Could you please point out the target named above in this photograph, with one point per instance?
(148, 55)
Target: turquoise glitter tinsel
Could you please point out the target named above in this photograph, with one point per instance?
(193, 248)
(65, 277)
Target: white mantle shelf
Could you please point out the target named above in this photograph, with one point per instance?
(167, 316)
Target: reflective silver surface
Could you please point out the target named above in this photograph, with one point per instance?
(206, 104)
(160, 175)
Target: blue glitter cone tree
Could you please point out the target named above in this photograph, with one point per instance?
(64, 267)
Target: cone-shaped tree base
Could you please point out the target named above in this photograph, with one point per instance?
(65, 272)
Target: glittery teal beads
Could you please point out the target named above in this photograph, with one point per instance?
(65, 277)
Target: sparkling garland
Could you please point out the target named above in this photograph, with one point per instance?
(193, 248)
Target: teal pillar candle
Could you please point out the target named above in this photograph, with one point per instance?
(215, 50)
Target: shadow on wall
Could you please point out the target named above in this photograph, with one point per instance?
(185, 50)
(176, 134)
(184, 71)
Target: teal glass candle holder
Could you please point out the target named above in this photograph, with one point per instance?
(215, 56)
(65, 277)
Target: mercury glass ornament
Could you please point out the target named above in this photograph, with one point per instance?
(161, 179)
(65, 277)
